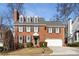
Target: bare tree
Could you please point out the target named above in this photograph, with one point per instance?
(18, 6)
(11, 7)
(65, 10)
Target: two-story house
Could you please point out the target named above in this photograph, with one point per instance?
(28, 29)
(73, 30)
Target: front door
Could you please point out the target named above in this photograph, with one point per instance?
(36, 39)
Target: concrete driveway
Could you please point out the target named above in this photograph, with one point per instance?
(69, 51)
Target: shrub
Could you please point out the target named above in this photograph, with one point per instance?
(20, 45)
(1, 48)
(29, 44)
(74, 44)
(43, 44)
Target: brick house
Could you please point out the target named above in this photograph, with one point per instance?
(27, 29)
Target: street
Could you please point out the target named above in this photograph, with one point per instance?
(68, 51)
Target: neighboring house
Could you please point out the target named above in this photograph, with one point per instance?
(6, 38)
(69, 31)
(73, 31)
(28, 29)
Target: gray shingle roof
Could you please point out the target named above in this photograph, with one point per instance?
(47, 23)
(54, 23)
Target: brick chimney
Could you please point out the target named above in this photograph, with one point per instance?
(0, 21)
(15, 15)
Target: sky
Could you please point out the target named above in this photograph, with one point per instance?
(45, 10)
(48, 11)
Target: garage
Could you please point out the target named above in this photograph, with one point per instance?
(54, 42)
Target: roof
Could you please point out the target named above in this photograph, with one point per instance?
(43, 22)
(54, 23)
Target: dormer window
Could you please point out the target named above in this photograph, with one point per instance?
(21, 19)
(28, 19)
(35, 19)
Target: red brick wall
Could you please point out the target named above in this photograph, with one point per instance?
(42, 33)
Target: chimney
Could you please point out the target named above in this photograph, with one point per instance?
(0, 20)
(15, 15)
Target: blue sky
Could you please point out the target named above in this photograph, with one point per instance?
(45, 10)
(48, 11)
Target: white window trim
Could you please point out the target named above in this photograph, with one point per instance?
(21, 20)
(28, 38)
(20, 40)
(49, 30)
(28, 29)
(57, 30)
(28, 19)
(20, 28)
(35, 19)
(35, 29)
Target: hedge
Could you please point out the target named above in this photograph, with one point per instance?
(20, 45)
(1, 48)
(74, 44)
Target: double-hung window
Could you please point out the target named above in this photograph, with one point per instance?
(20, 39)
(36, 19)
(20, 28)
(57, 30)
(49, 30)
(36, 29)
(21, 19)
(28, 29)
(28, 19)
(28, 38)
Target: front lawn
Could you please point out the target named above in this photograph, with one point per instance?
(30, 52)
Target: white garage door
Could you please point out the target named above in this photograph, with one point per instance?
(54, 42)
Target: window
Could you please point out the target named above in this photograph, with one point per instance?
(49, 30)
(28, 19)
(57, 30)
(28, 29)
(35, 19)
(21, 19)
(20, 29)
(35, 29)
(28, 38)
(20, 39)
